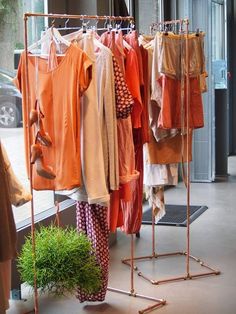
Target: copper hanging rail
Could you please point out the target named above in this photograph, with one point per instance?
(186, 253)
(158, 302)
(180, 21)
(82, 16)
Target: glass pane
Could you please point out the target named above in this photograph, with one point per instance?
(218, 46)
(11, 131)
(148, 13)
(5, 77)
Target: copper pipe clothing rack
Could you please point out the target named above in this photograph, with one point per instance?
(211, 271)
(158, 302)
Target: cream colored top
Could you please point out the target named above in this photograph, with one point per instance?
(99, 147)
(107, 113)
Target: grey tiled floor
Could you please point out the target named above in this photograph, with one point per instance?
(213, 238)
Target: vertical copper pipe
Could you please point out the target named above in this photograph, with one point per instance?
(188, 147)
(132, 265)
(36, 307)
(153, 234)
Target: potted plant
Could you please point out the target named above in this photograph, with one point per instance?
(64, 262)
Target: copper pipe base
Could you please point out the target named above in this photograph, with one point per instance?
(159, 302)
(177, 278)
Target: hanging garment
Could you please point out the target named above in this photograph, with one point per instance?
(92, 157)
(140, 135)
(165, 146)
(8, 245)
(133, 80)
(152, 91)
(92, 220)
(7, 223)
(93, 164)
(155, 197)
(107, 113)
(133, 83)
(145, 93)
(155, 98)
(105, 93)
(122, 200)
(58, 91)
(156, 175)
(170, 150)
(52, 60)
(168, 79)
(138, 195)
(108, 39)
(124, 99)
(173, 113)
(124, 127)
(132, 39)
(100, 149)
(172, 54)
(17, 193)
(5, 285)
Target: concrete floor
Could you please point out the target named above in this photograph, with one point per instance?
(213, 238)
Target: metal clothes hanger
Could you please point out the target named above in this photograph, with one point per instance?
(50, 34)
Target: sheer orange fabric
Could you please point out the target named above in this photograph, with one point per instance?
(58, 92)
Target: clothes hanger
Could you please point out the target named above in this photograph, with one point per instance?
(109, 27)
(78, 35)
(50, 34)
(93, 31)
(74, 35)
(66, 27)
(131, 26)
(59, 37)
(117, 29)
(97, 43)
(81, 30)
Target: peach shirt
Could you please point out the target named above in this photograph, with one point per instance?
(58, 91)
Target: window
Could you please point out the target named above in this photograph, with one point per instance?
(146, 13)
(5, 78)
(11, 131)
(219, 44)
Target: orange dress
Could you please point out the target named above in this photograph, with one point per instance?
(132, 39)
(133, 82)
(58, 92)
(132, 223)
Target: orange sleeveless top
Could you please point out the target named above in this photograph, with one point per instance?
(58, 92)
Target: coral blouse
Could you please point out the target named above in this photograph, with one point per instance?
(58, 92)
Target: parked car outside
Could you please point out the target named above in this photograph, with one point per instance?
(10, 101)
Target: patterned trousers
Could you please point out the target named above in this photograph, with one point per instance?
(92, 220)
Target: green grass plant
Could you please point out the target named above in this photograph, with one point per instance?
(64, 262)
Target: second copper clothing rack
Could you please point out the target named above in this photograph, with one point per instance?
(158, 302)
(183, 23)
